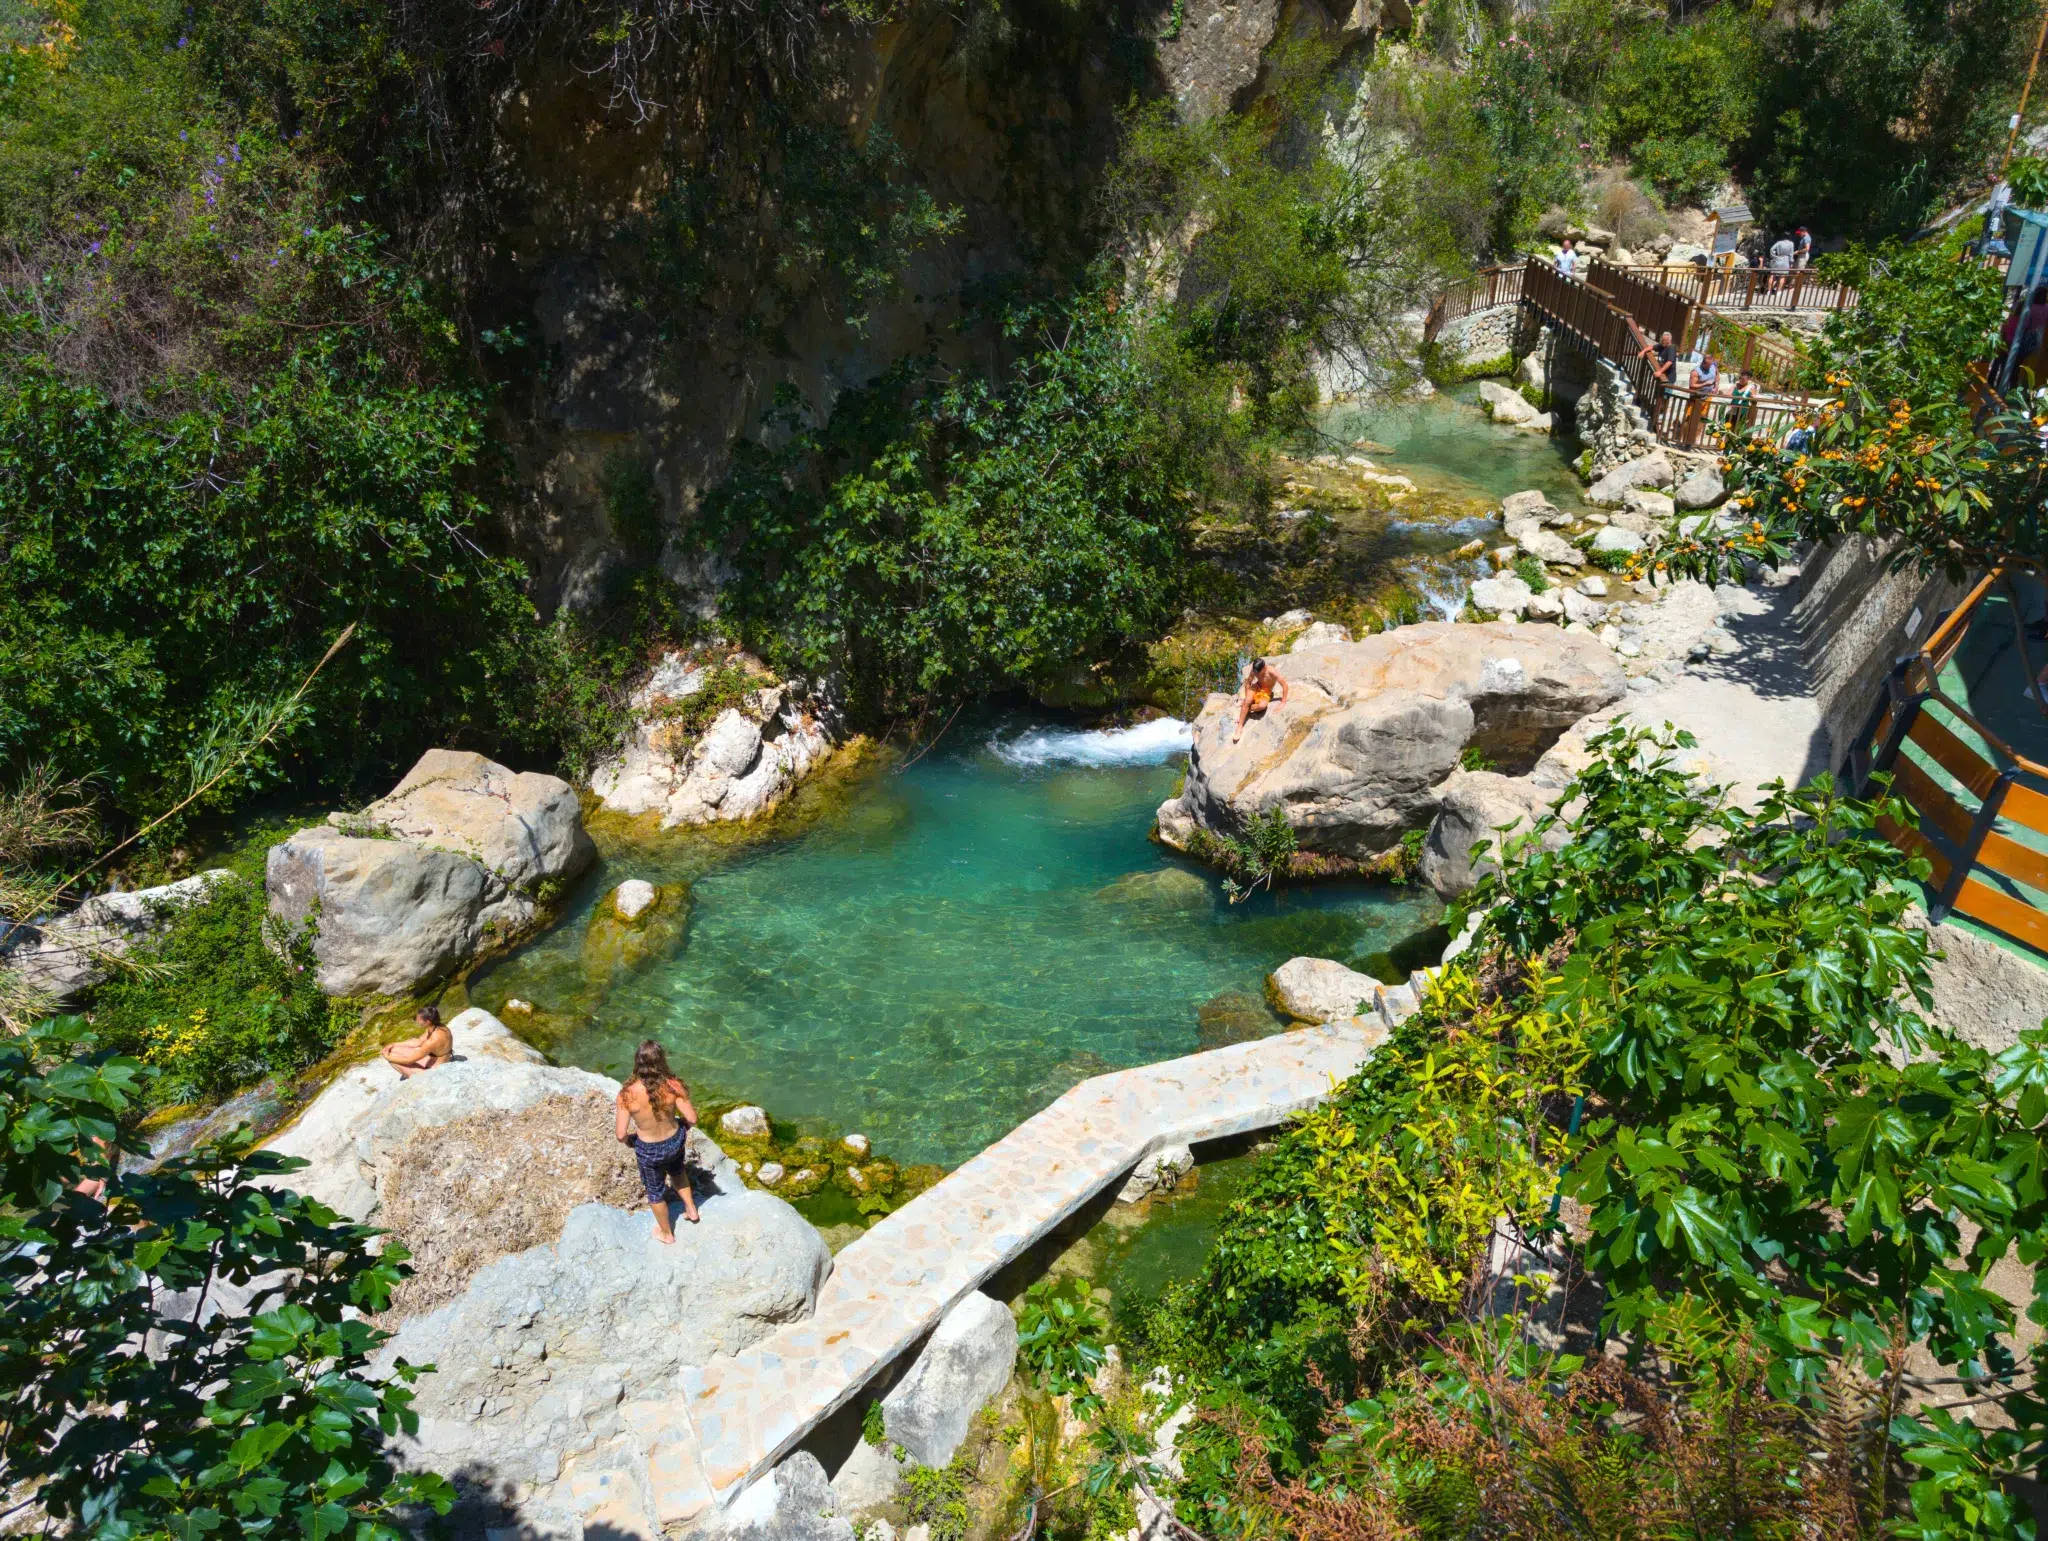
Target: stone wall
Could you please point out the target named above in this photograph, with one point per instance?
(1485, 335)
(1609, 421)
(1856, 620)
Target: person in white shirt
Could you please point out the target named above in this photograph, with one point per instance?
(1568, 259)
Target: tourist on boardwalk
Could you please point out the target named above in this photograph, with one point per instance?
(1706, 380)
(1667, 357)
(409, 1056)
(1262, 687)
(1781, 263)
(1741, 407)
(1802, 248)
(1568, 260)
(654, 1117)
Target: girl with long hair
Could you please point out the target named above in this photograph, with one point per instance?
(654, 1117)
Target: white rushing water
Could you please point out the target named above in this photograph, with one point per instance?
(1149, 743)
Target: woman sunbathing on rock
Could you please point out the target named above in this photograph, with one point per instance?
(409, 1056)
(1262, 687)
(654, 1117)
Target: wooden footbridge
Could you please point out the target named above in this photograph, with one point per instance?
(1617, 313)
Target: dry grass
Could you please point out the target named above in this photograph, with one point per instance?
(466, 1194)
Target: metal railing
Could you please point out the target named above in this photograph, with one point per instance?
(1991, 874)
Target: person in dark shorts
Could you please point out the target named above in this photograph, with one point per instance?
(654, 1117)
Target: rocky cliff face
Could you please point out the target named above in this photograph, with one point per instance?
(645, 356)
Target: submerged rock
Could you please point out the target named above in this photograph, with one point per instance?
(1173, 889)
(1233, 1016)
(464, 855)
(614, 944)
(1371, 729)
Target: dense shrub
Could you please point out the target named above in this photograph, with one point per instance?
(1679, 98)
(225, 996)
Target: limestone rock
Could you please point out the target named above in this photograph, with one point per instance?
(1544, 545)
(1650, 505)
(631, 899)
(859, 1144)
(353, 1130)
(554, 1361)
(1651, 470)
(1615, 538)
(1320, 990)
(793, 1502)
(1157, 1173)
(1546, 606)
(463, 855)
(744, 764)
(1577, 607)
(76, 951)
(524, 828)
(1530, 371)
(1593, 586)
(771, 1173)
(1506, 595)
(1372, 728)
(747, 1123)
(1525, 505)
(1473, 807)
(1320, 634)
(614, 945)
(1165, 890)
(1701, 488)
(1506, 404)
(966, 1362)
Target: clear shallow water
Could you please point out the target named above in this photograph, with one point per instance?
(963, 942)
(1445, 442)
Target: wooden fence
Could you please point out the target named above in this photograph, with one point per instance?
(1696, 420)
(1750, 289)
(1997, 876)
(1482, 291)
(1769, 358)
(1589, 314)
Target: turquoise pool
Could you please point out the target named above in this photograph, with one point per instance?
(953, 947)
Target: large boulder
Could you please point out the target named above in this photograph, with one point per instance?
(556, 1368)
(1371, 729)
(74, 952)
(1320, 990)
(1544, 545)
(1473, 807)
(353, 1131)
(463, 856)
(743, 764)
(1651, 470)
(964, 1365)
(1506, 404)
(794, 1502)
(1702, 487)
(1504, 595)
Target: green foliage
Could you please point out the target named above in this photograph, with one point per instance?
(1923, 314)
(1473, 758)
(222, 997)
(1533, 573)
(874, 1430)
(1531, 132)
(937, 1496)
(937, 538)
(1872, 109)
(725, 685)
(1253, 860)
(1679, 97)
(248, 1426)
(2027, 176)
(1059, 1340)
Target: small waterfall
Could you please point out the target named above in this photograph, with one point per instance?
(1149, 743)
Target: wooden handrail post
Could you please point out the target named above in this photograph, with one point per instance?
(1959, 871)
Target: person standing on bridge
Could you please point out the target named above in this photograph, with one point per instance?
(1567, 260)
(1706, 380)
(1781, 264)
(1802, 248)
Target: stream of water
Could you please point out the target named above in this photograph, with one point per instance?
(961, 942)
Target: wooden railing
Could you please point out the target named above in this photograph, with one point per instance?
(1697, 420)
(1996, 876)
(1751, 288)
(1482, 291)
(1655, 307)
(1590, 315)
(1744, 349)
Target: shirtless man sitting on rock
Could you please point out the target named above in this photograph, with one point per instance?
(1262, 688)
(435, 1044)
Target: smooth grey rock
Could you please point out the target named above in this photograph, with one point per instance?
(1506, 405)
(1654, 506)
(353, 1130)
(1577, 607)
(1615, 538)
(1546, 606)
(1702, 487)
(631, 898)
(1372, 728)
(1161, 1170)
(540, 1362)
(1505, 595)
(965, 1364)
(1320, 990)
(1474, 805)
(1593, 586)
(793, 1502)
(1320, 634)
(747, 1122)
(526, 829)
(1529, 504)
(74, 952)
(1983, 993)
(1534, 539)
(1651, 470)
(771, 1173)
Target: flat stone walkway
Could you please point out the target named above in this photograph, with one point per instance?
(740, 1415)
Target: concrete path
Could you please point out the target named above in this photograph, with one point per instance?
(742, 1414)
